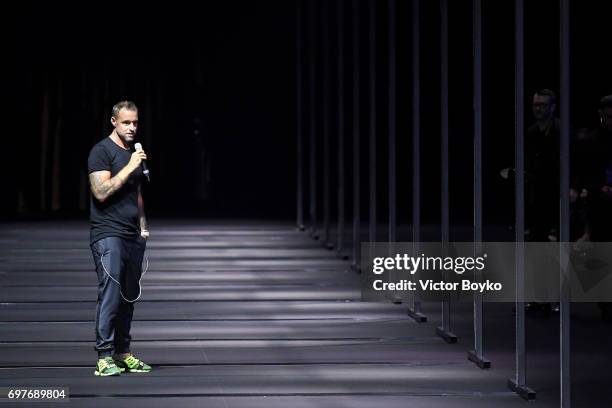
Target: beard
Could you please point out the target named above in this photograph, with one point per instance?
(127, 138)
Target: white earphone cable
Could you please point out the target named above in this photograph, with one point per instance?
(114, 280)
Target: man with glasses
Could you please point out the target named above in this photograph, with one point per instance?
(542, 176)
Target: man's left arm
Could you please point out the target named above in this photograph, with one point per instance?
(144, 230)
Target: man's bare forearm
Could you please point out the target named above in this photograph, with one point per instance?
(141, 213)
(102, 189)
(143, 223)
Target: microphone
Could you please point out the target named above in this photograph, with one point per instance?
(143, 164)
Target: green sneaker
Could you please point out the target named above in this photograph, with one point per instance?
(132, 365)
(106, 366)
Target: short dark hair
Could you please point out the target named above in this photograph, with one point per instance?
(128, 105)
(606, 102)
(549, 93)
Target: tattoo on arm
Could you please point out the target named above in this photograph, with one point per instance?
(103, 187)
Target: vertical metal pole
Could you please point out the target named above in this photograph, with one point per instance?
(518, 384)
(476, 355)
(392, 126)
(340, 78)
(356, 143)
(326, 133)
(519, 165)
(564, 329)
(415, 311)
(299, 117)
(44, 133)
(313, 123)
(444, 331)
(392, 159)
(372, 134)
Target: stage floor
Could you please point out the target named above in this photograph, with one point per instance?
(256, 314)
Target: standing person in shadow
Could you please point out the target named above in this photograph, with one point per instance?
(542, 172)
(596, 173)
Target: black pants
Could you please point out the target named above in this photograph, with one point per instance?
(121, 259)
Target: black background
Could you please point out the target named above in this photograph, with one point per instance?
(232, 64)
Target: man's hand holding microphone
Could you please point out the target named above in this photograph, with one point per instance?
(138, 159)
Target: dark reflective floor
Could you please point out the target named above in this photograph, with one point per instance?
(260, 315)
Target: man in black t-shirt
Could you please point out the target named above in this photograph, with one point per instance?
(117, 239)
(542, 173)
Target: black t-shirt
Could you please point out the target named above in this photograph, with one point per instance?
(117, 216)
